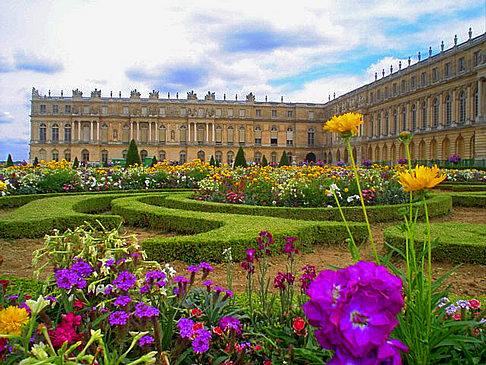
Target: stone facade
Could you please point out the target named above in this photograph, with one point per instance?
(441, 99)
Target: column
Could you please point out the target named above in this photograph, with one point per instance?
(150, 133)
(79, 131)
(195, 135)
(138, 131)
(453, 107)
(92, 133)
(131, 131)
(480, 98)
(157, 132)
(98, 131)
(207, 133)
(214, 134)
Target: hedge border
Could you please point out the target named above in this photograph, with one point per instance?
(438, 205)
(463, 187)
(471, 199)
(214, 232)
(448, 249)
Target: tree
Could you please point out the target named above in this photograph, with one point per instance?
(9, 160)
(76, 163)
(284, 161)
(211, 161)
(132, 155)
(264, 161)
(154, 162)
(36, 162)
(240, 160)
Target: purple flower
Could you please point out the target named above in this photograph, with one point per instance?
(205, 267)
(144, 289)
(228, 322)
(218, 289)
(109, 263)
(145, 340)
(122, 301)
(229, 293)
(144, 310)
(450, 310)
(82, 268)
(50, 298)
(12, 297)
(108, 289)
(201, 343)
(68, 279)
(462, 303)
(125, 280)
(193, 268)
(180, 279)
(118, 318)
(185, 327)
(207, 283)
(308, 276)
(156, 275)
(281, 279)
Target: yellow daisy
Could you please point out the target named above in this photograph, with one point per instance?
(345, 123)
(12, 319)
(420, 178)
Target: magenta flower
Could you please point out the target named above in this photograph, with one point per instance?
(228, 322)
(201, 343)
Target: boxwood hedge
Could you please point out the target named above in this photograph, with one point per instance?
(214, 232)
(457, 242)
(437, 204)
(471, 199)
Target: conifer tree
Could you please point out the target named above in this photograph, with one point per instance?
(36, 162)
(284, 161)
(211, 161)
(76, 163)
(9, 160)
(133, 156)
(240, 160)
(264, 161)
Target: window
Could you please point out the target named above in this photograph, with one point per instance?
(258, 113)
(404, 86)
(183, 134)
(461, 64)
(162, 156)
(143, 155)
(289, 114)
(387, 93)
(273, 135)
(104, 133)
(447, 69)
(162, 112)
(395, 121)
(218, 135)
(86, 110)
(477, 58)
(412, 82)
(55, 133)
(230, 113)
(462, 107)
(67, 109)
(436, 112)
(242, 135)
(274, 113)
(126, 133)
(162, 134)
(371, 128)
(104, 110)
(67, 155)
(395, 89)
(414, 117)
(182, 112)
(258, 157)
(55, 109)
(387, 124)
(424, 115)
(218, 156)
(378, 94)
(85, 155)
(200, 134)
(378, 129)
(55, 155)
(310, 137)
(104, 157)
(258, 135)
(273, 157)
(201, 155)
(67, 133)
(43, 109)
(435, 74)
(124, 154)
(230, 157)
(424, 78)
(372, 98)
(290, 136)
(404, 119)
(231, 135)
(448, 110)
(311, 114)
(42, 132)
(242, 113)
(218, 113)
(182, 157)
(125, 110)
(476, 103)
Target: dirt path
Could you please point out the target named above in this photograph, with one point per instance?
(467, 280)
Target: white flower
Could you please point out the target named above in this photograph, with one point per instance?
(37, 305)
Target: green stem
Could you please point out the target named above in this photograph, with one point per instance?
(355, 170)
(354, 249)
(429, 268)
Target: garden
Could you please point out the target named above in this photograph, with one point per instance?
(206, 264)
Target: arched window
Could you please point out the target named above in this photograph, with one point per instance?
(462, 107)
(42, 132)
(85, 155)
(182, 157)
(143, 155)
(67, 155)
(200, 134)
(290, 136)
(55, 155)
(162, 156)
(231, 135)
(274, 135)
(242, 135)
(424, 115)
(404, 119)
(42, 154)
(448, 110)
(414, 117)
(124, 154)
(86, 132)
(258, 157)
(126, 133)
(183, 136)
(436, 112)
(310, 137)
(55, 133)
(387, 124)
(162, 134)
(104, 157)
(273, 157)
(201, 155)
(218, 135)
(218, 156)
(104, 133)
(230, 157)
(67, 133)
(395, 121)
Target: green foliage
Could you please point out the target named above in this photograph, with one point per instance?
(264, 161)
(240, 160)
(75, 162)
(284, 161)
(9, 160)
(133, 157)
(464, 187)
(56, 180)
(469, 199)
(154, 162)
(23, 286)
(36, 162)
(211, 161)
(457, 242)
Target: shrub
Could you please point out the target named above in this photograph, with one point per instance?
(75, 162)
(9, 160)
(284, 161)
(264, 161)
(240, 160)
(36, 162)
(133, 156)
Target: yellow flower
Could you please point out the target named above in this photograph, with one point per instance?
(420, 178)
(3, 186)
(12, 319)
(345, 123)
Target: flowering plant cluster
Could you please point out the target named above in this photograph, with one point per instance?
(454, 159)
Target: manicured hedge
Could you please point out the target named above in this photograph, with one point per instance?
(214, 232)
(42, 216)
(464, 187)
(458, 242)
(474, 199)
(438, 205)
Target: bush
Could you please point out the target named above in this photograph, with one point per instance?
(132, 155)
(264, 161)
(76, 163)
(9, 160)
(284, 160)
(36, 162)
(469, 200)
(240, 160)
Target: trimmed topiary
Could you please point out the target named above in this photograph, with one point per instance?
(36, 162)
(240, 160)
(264, 161)
(9, 160)
(284, 161)
(211, 161)
(76, 163)
(133, 156)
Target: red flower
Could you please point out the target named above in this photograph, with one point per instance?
(197, 326)
(267, 362)
(196, 312)
(5, 284)
(27, 297)
(475, 304)
(456, 316)
(476, 331)
(78, 304)
(218, 331)
(257, 347)
(299, 326)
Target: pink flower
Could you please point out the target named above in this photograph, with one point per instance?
(474, 303)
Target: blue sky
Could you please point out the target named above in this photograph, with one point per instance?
(303, 50)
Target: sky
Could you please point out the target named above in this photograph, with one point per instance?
(301, 50)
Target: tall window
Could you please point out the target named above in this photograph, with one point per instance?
(436, 112)
(258, 157)
(371, 128)
(242, 136)
(183, 134)
(477, 58)
(201, 155)
(124, 154)
(435, 74)
(412, 82)
(143, 155)
(42, 132)
(231, 135)
(85, 155)
(447, 69)
(378, 129)
(67, 133)
(404, 86)
(104, 157)
(395, 121)
(311, 114)
(55, 109)
(274, 113)
(290, 114)
(273, 135)
(258, 113)
(162, 156)
(424, 115)
(476, 103)
(55, 155)
(387, 124)
(404, 119)
(424, 78)
(414, 117)
(258, 135)
(67, 155)
(162, 134)
(218, 156)
(462, 107)
(182, 156)
(273, 157)
(42, 109)
(230, 157)
(461, 64)
(310, 137)
(67, 109)
(290, 136)
(448, 110)
(218, 134)
(55, 133)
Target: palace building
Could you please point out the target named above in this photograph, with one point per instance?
(440, 99)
